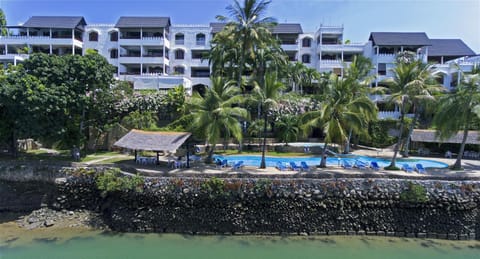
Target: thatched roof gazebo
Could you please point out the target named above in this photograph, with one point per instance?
(156, 141)
(430, 137)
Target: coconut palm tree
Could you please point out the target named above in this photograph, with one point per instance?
(456, 111)
(267, 94)
(217, 113)
(339, 112)
(411, 85)
(249, 28)
(358, 78)
(287, 128)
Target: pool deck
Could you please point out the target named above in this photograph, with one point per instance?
(471, 170)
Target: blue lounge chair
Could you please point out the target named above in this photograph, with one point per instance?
(304, 166)
(221, 163)
(294, 166)
(374, 166)
(280, 166)
(407, 168)
(360, 165)
(346, 164)
(419, 168)
(238, 165)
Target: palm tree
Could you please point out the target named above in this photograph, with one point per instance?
(217, 113)
(339, 112)
(287, 128)
(249, 28)
(457, 110)
(267, 94)
(357, 76)
(411, 85)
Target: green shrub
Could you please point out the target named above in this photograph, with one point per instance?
(414, 193)
(214, 185)
(112, 180)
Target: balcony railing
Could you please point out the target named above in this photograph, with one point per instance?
(179, 42)
(130, 55)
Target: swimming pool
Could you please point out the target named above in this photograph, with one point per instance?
(252, 160)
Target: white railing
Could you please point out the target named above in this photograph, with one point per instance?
(392, 115)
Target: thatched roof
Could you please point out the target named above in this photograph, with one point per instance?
(152, 140)
(429, 136)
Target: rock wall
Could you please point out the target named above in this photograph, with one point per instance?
(282, 206)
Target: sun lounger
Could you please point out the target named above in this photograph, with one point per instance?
(419, 168)
(304, 166)
(407, 168)
(294, 167)
(346, 164)
(280, 166)
(221, 163)
(360, 165)
(238, 165)
(374, 166)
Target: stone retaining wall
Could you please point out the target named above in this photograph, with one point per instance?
(300, 206)
(283, 206)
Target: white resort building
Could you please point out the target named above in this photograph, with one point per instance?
(152, 53)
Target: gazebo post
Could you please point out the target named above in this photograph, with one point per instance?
(135, 155)
(158, 158)
(188, 155)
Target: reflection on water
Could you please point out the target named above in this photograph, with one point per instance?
(93, 244)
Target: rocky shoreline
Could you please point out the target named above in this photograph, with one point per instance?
(47, 218)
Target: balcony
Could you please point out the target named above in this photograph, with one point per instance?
(289, 47)
(353, 47)
(39, 40)
(384, 58)
(382, 115)
(330, 63)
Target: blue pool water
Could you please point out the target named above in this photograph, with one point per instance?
(252, 160)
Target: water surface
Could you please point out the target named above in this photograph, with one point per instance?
(93, 244)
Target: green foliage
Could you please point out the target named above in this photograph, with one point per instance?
(140, 120)
(214, 186)
(111, 180)
(415, 193)
(287, 128)
(263, 186)
(378, 132)
(3, 24)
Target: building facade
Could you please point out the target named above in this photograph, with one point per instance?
(155, 54)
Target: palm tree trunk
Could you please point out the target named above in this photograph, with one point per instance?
(14, 144)
(323, 160)
(209, 159)
(410, 131)
(263, 164)
(347, 145)
(399, 142)
(458, 161)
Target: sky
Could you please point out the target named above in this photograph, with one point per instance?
(450, 19)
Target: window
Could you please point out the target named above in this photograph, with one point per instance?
(114, 53)
(200, 39)
(179, 38)
(306, 42)
(382, 69)
(114, 36)
(179, 54)
(306, 58)
(179, 70)
(93, 36)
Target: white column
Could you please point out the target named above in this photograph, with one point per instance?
(164, 56)
(141, 51)
(73, 41)
(378, 52)
(6, 49)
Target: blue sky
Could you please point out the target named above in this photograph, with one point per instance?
(438, 18)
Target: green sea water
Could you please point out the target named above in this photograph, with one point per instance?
(107, 245)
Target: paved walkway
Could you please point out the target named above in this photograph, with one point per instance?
(471, 168)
